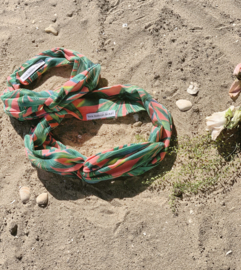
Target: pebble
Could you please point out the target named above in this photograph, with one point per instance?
(13, 228)
(52, 30)
(53, 3)
(184, 105)
(136, 117)
(24, 193)
(137, 124)
(70, 13)
(42, 199)
(193, 88)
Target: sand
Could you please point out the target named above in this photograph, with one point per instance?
(161, 46)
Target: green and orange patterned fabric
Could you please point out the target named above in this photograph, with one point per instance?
(79, 98)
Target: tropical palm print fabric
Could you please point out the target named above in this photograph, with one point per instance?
(79, 97)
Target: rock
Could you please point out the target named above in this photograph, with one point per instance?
(195, 109)
(137, 124)
(171, 92)
(24, 193)
(178, 192)
(53, 3)
(70, 13)
(136, 117)
(193, 88)
(13, 228)
(42, 199)
(184, 105)
(52, 30)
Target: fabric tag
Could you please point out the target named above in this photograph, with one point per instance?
(31, 70)
(99, 115)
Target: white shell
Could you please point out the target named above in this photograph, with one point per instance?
(193, 88)
(184, 105)
(24, 193)
(42, 199)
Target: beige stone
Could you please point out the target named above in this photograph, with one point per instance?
(184, 105)
(52, 30)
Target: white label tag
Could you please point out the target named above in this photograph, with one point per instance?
(99, 115)
(31, 70)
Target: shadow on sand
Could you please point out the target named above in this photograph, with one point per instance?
(66, 188)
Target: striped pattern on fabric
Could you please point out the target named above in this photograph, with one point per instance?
(79, 97)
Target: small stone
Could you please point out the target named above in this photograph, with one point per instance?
(42, 199)
(70, 13)
(195, 109)
(53, 3)
(193, 88)
(52, 30)
(24, 193)
(177, 192)
(54, 19)
(184, 105)
(136, 117)
(13, 228)
(137, 124)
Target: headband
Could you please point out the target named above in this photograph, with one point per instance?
(80, 98)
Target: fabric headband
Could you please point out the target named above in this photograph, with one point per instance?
(80, 98)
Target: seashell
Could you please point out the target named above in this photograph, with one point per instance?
(184, 105)
(24, 193)
(42, 199)
(193, 88)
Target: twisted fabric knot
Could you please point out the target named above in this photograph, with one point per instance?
(79, 97)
